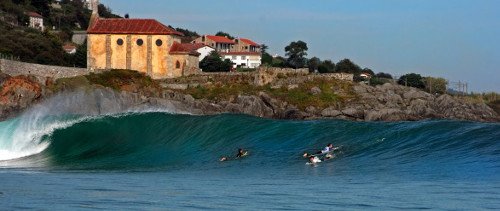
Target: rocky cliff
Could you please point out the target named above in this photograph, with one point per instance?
(382, 103)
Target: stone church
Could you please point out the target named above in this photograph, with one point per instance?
(144, 45)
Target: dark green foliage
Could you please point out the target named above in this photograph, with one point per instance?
(263, 48)
(384, 75)
(374, 81)
(296, 52)
(313, 64)
(326, 66)
(31, 46)
(224, 34)
(279, 62)
(42, 6)
(187, 32)
(413, 80)
(105, 12)
(214, 63)
(347, 66)
(266, 59)
(368, 70)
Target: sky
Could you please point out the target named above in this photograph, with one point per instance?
(455, 39)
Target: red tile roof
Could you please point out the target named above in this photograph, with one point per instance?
(220, 39)
(34, 14)
(130, 26)
(247, 41)
(185, 48)
(241, 53)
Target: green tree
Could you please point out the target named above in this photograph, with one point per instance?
(279, 62)
(413, 80)
(313, 64)
(435, 85)
(347, 66)
(80, 57)
(296, 52)
(214, 63)
(263, 48)
(266, 59)
(326, 66)
(224, 34)
(383, 75)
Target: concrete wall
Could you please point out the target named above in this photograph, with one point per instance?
(42, 72)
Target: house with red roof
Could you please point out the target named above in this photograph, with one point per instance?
(219, 43)
(36, 20)
(242, 52)
(245, 45)
(144, 45)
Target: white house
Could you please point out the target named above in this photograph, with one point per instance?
(244, 59)
(36, 21)
(204, 50)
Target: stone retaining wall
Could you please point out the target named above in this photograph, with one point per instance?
(42, 72)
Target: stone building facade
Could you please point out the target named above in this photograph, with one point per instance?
(144, 45)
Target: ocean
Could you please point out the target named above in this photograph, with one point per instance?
(159, 160)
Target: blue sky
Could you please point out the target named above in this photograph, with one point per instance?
(454, 39)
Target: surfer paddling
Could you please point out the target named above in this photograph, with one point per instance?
(241, 153)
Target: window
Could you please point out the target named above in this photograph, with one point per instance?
(140, 42)
(159, 42)
(235, 57)
(203, 39)
(119, 41)
(246, 47)
(177, 65)
(243, 57)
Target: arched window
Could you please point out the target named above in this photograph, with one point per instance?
(177, 65)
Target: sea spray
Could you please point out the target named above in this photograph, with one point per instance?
(22, 136)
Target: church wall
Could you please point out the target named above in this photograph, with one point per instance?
(97, 51)
(159, 55)
(118, 52)
(139, 54)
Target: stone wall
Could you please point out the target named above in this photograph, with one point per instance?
(41, 72)
(79, 37)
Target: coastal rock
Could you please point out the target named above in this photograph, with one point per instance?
(390, 114)
(331, 112)
(253, 105)
(17, 93)
(354, 113)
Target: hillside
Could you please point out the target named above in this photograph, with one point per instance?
(30, 45)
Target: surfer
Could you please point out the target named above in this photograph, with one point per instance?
(241, 153)
(313, 160)
(327, 149)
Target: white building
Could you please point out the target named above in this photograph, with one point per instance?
(36, 21)
(244, 59)
(204, 50)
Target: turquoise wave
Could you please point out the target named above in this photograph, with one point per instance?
(151, 141)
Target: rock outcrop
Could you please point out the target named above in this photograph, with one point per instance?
(17, 93)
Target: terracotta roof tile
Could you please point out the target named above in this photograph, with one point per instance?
(250, 42)
(220, 39)
(185, 48)
(130, 26)
(34, 14)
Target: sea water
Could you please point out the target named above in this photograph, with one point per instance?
(158, 160)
